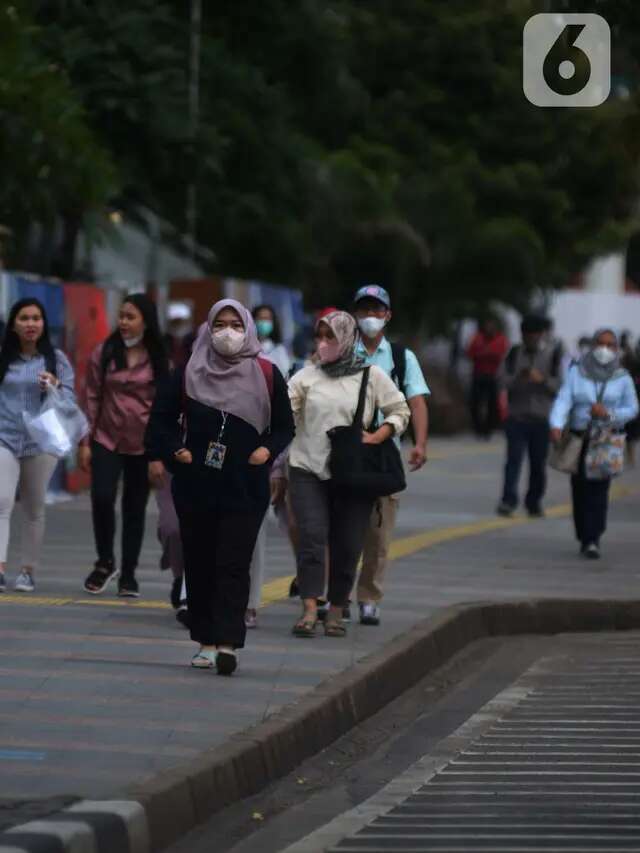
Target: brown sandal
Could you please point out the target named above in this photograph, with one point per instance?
(305, 627)
(334, 628)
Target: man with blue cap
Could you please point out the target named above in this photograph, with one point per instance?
(372, 310)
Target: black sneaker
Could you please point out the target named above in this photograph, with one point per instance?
(505, 509)
(128, 587)
(176, 589)
(183, 617)
(226, 663)
(591, 551)
(536, 512)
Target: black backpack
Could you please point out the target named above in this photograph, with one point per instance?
(399, 371)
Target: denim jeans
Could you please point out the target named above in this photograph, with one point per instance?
(531, 437)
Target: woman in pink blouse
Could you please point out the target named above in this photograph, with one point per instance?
(121, 385)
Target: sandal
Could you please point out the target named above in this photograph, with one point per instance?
(305, 627)
(98, 579)
(334, 628)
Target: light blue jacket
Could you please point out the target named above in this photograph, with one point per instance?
(573, 404)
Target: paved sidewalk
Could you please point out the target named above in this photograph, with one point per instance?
(97, 696)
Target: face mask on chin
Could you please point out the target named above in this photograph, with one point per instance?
(371, 326)
(228, 342)
(604, 355)
(132, 342)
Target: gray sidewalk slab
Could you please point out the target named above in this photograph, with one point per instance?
(98, 697)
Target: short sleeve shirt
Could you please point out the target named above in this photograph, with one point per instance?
(414, 381)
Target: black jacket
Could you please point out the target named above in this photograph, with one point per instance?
(239, 486)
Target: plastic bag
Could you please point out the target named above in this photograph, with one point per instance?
(59, 425)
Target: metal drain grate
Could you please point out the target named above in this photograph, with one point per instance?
(560, 771)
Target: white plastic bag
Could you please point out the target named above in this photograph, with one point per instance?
(58, 427)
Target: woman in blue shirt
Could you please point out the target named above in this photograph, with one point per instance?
(28, 364)
(597, 389)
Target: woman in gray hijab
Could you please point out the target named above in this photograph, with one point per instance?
(598, 391)
(218, 425)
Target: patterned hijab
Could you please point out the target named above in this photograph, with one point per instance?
(591, 367)
(233, 384)
(345, 330)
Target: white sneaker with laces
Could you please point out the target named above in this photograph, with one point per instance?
(24, 582)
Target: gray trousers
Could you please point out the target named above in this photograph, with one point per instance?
(327, 516)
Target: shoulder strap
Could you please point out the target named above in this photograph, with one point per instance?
(511, 359)
(358, 417)
(399, 371)
(267, 370)
(600, 393)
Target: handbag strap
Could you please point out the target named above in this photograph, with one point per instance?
(358, 417)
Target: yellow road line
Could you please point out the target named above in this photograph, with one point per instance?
(278, 588)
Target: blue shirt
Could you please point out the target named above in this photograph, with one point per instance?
(414, 381)
(20, 392)
(578, 394)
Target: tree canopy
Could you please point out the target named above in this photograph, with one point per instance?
(337, 142)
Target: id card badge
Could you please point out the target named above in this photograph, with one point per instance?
(215, 455)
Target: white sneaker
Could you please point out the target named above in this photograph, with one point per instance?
(24, 583)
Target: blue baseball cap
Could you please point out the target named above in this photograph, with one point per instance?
(373, 291)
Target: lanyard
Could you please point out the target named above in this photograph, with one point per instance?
(225, 416)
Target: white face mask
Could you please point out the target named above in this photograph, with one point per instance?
(371, 326)
(604, 355)
(132, 342)
(228, 341)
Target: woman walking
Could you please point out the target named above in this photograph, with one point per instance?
(121, 384)
(597, 391)
(323, 396)
(270, 337)
(218, 426)
(28, 364)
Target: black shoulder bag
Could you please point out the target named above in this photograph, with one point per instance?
(367, 470)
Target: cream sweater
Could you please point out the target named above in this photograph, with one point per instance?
(321, 402)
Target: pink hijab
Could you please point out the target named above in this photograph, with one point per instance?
(234, 384)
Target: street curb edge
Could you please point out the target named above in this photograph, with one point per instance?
(161, 810)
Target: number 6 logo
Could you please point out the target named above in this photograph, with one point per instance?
(566, 60)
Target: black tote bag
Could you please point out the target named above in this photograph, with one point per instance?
(368, 470)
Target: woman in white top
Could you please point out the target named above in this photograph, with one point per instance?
(270, 338)
(325, 395)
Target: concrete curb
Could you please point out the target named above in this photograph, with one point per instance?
(166, 807)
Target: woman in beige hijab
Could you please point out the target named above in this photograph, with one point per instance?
(323, 396)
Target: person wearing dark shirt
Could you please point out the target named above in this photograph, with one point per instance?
(217, 426)
(487, 349)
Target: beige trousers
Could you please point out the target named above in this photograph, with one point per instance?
(32, 473)
(375, 556)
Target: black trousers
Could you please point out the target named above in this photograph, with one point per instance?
(590, 506)
(484, 405)
(217, 548)
(327, 516)
(532, 438)
(106, 469)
